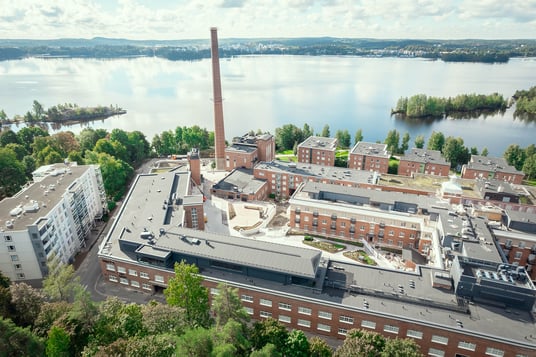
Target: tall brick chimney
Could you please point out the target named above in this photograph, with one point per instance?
(219, 132)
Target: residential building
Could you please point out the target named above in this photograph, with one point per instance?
(284, 177)
(318, 150)
(357, 214)
(247, 150)
(422, 161)
(49, 219)
(370, 157)
(491, 168)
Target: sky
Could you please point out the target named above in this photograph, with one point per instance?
(191, 19)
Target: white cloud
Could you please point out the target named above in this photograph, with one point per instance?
(171, 19)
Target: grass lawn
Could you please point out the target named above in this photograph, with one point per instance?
(285, 152)
(327, 246)
(287, 158)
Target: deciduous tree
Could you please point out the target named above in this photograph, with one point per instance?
(227, 305)
(436, 141)
(186, 291)
(358, 136)
(419, 141)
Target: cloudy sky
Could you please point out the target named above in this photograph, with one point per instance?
(191, 19)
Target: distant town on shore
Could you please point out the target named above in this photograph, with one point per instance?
(473, 50)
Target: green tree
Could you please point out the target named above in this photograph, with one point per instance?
(325, 131)
(195, 343)
(455, 152)
(18, 341)
(392, 141)
(484, 151)
(405, 143)
(27, 302)
(162, 318)
(38, 111)
(3, 116)
(115, 172)
(473, 150)
(231, 339)
(62, 283)
(8, 137)
(28, 134)
(58, 342)
(436, 141)
(529, 167)
(343, 137)
(400, 347)
(515, 156)
(287, 135)
(269, 331)
(29, 164)
(297, 344)
(6, 308)
(268, 350)
(48, 314)
(12, 175)
(318, 347)
(19, 150)
(358, 136)
(419, 141)
(307, 131)
(361, 343)
(226, 305)
(186, 291)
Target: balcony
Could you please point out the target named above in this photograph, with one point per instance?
(334, 217)
(315, 214)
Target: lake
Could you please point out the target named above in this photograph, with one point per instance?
(266, 92)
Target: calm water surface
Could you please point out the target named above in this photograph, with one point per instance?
(265, 92)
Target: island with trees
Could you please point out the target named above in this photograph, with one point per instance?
(463, 105)
(67, 113)
(525, 104)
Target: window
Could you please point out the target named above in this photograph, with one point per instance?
(490, 351)
(134, 283)
(214, 291)
(467, 345)
(19, 266)
(113, 278)
(440, 339)
(391, 233)
(123, 281)
(110, 267)
(304, 323)
(247, 298)
(414, 334)
(266, 314)
(304, 310)
(159, 278)
(14, 258)
(323, 327)
(20, 276)
(284, 318)
(132, 272)
(121, 270)
(342, 331)
(249, 310)
(144, 275)
(10, 248)
(324, 315)
(146, 286)
(8, 238)
(265, 302)
(434, 352)
(518, 255)
(368, 324)
(390, 328)
(346, 319)
(285, 306)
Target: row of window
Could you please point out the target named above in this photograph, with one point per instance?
(133, 283)
(133, 272)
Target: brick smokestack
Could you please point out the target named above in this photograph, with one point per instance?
(219, 132)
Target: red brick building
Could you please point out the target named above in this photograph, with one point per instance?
(492, 168)
(422, 161)
(369, 157)
(318, 150)
(248, 150)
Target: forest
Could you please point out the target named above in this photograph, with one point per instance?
(61, 320)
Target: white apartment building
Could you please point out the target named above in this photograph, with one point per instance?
(49, 218)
